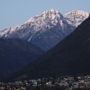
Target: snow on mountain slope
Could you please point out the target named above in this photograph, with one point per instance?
(76, 17)
(38, 23)
(44, 30)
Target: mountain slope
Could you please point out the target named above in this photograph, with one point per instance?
(76, 17)
(15, 54)
(45, 30)
(71, 56)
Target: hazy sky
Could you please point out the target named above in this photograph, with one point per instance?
(14, 12)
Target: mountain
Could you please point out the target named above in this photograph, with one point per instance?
(76, 17)
(15, 54)
(47, 29)
(70, 57)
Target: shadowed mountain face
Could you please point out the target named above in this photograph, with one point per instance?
(71, 56)
(15, 54)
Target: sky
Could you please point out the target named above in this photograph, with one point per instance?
(16, 12)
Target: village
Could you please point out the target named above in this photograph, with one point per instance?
(60, 83)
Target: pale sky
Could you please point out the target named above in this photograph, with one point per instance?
(15, 12)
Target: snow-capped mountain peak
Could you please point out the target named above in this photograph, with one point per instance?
(46, 18)
(75, 17)
(47, 29)
(51, 13)
(78, 12)
(47, 14)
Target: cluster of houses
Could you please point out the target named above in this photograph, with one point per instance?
(60, 83)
